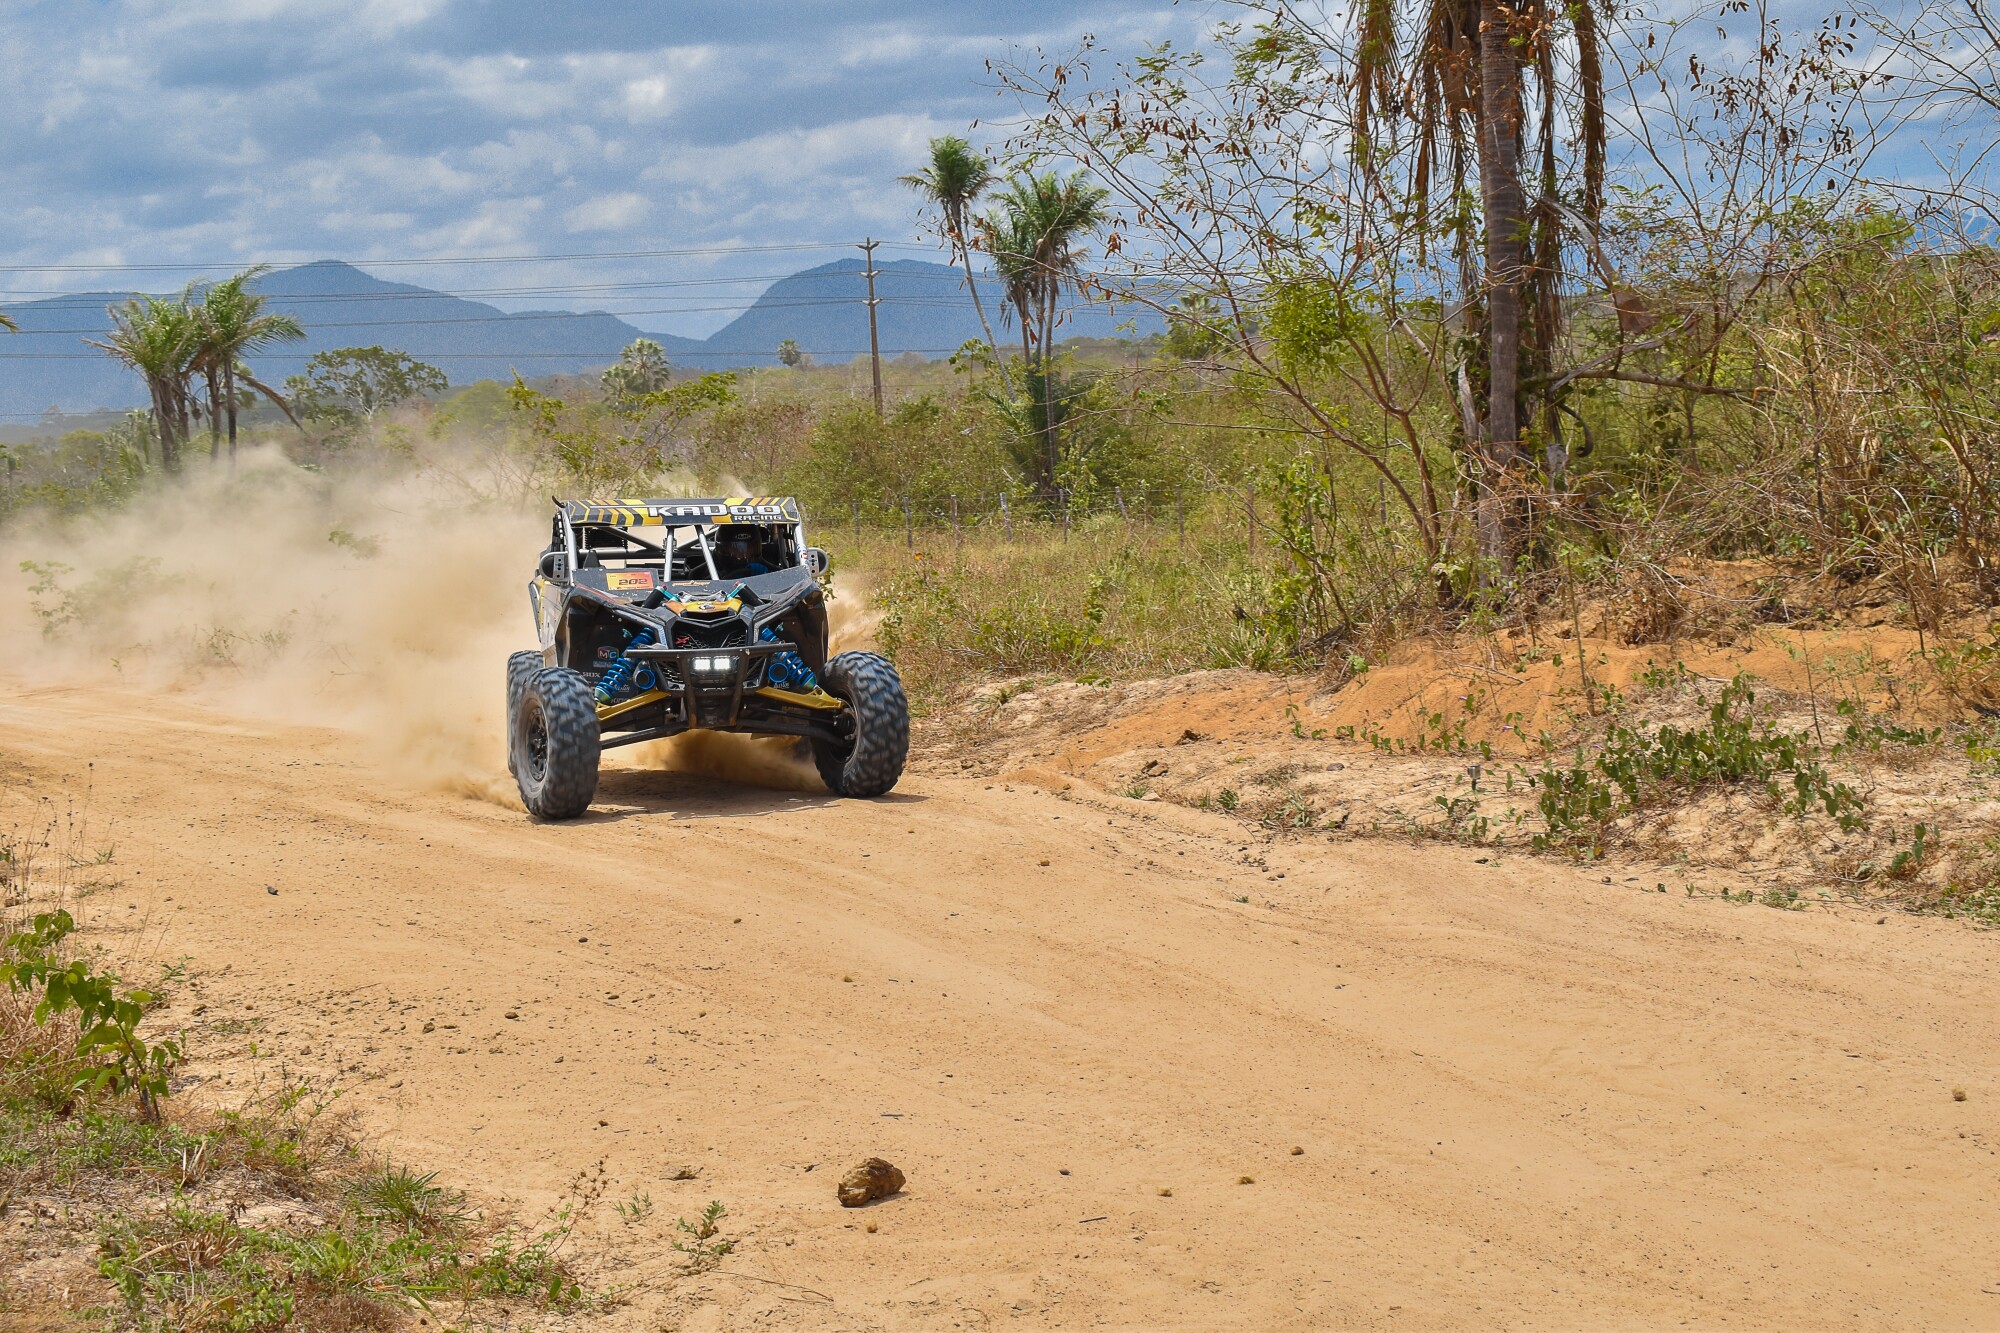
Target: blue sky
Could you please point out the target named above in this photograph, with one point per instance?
(224, 131)
(145, 131)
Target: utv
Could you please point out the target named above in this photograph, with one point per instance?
(663, 616)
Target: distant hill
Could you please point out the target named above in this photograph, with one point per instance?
(924, 308)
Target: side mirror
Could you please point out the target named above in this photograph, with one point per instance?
(817, 561)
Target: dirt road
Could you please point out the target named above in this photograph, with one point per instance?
(1524, 1098)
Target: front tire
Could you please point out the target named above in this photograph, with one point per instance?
(521, 668)
(556, 744)
(871, 763)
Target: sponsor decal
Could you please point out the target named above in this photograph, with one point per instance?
(628, 580)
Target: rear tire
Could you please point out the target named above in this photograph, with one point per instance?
(556, 744)
(871, 764)
(521, 667)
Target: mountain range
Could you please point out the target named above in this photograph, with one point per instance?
(923, 308)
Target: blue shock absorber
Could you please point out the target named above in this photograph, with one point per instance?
(787, 670)
(618, 678)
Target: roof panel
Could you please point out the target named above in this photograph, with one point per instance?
(632, 513)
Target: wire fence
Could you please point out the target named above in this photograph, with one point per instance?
(1007, 514)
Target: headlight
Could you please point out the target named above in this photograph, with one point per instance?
(714, 666)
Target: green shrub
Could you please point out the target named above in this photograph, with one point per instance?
(1633, 769)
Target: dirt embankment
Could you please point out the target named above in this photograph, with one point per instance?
(1438, 741)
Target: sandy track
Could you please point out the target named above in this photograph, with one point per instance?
(1525, 1098)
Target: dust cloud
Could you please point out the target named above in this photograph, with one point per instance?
(384, 607)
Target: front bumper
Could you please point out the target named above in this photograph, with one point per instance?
(721, 697)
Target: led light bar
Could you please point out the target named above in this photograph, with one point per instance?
(711, 666)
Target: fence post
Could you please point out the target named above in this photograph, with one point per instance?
(1006, 518)
(1062, 498)
(909, 532)
(957, 536)
(857, 525)
(1250, 513)
(1119, 493)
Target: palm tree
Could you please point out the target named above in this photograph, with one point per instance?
(1466, 100)
(160, 339)
(955, 178)
(234, 324)
(1037, 239)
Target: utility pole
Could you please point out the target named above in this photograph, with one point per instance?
(867, 247)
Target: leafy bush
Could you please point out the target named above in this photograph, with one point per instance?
(108, 1054)
(1634, 769)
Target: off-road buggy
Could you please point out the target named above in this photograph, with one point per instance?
(663, 616)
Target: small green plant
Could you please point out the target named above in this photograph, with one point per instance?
(1873, 735)
(109, 1054)
(365, 547)
(1227, 799)
(701, 1240)
(1633, 769)
(407, 1198)
(1911, 861)
(1135, 792)
(1295, 811)
(634, 1210)
(1299, 731)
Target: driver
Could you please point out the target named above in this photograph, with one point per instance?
(736, 553)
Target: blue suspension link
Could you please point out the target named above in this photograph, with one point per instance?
(619, 678)
(787, 670)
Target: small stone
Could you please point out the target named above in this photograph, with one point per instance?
(1246, 1180)
(1150, 796)
(1958, 1094)
(871, 1228)
(511, 1014)
(430, 1027)
(271, 890)
(873, 1179)
(1044, 862)
(1298, 1151)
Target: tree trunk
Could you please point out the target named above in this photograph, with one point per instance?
(229, 406)
(1498, 508)
(1048, 325)
(214, 378)
(965, 257)
(163, 426)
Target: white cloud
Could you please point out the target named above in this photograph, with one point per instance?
(607, 212)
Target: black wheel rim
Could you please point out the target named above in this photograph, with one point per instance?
(538, 742)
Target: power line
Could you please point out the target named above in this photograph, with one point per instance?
(533, 315)
(591, 357)
(185, 266)
(54, 302)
